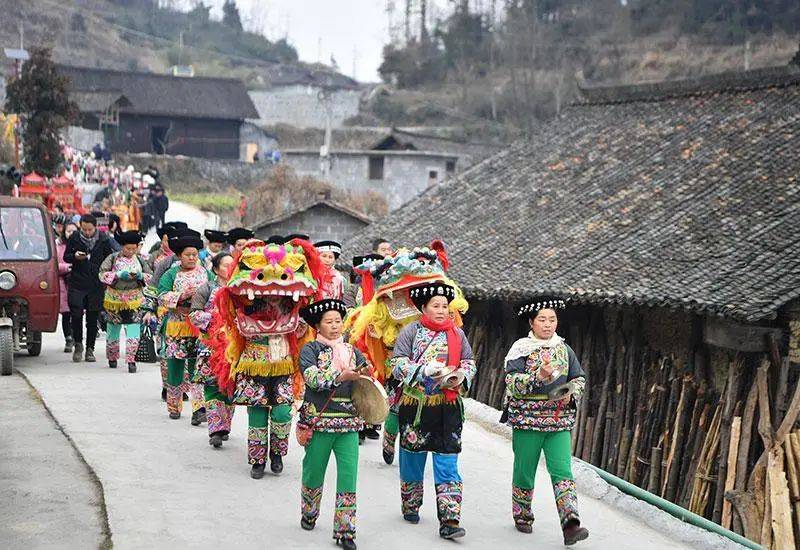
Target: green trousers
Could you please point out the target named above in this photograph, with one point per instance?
(528, 446)
(175, 369)
(318, 451)
(268, 428)
(344, 447)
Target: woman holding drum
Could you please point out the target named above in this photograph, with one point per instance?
(544, 382)
(435, 363)
(329, 421)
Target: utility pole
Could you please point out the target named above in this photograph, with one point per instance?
(324, 97)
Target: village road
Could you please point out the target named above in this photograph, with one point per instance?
(165, 487)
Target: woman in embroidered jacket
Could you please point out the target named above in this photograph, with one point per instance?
(175, 291)
(125, 275)
(544, 382)
(435, 363)
(219, 410)
(329, 366)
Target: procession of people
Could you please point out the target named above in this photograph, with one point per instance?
(274, 326)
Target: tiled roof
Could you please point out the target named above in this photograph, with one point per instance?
(677, 195)
(161, 94)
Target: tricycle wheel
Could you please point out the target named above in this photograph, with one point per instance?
(34, 348)
(6, 351)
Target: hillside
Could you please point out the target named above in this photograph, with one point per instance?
(136, 35)
(501, 68)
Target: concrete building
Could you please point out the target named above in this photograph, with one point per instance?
(300, 97)
(398, 164)
(322, 219)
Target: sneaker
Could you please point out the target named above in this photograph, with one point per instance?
(198, 417)
(574, 533)
(306, 525)
(111, 364)
(257, 471)
(215, 440)
(451, 532)
(412, 517)
(276, 463)
(77, 353)
(132, 368)
(90, 355)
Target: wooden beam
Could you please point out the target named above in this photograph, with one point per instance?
(730, 477)
(724, 333)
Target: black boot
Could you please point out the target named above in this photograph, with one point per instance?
(77, 353)
(198, 417)
(174, 415)
(411, 517)
(306, 525)
(447, 531)
(257, 471)
(131, 367)
(164, 394)
(371, 433)
(275, 463)
(89, 356)
(112, 364)
(347, 544)
(68, 345)
(215, 440)
(573, 533)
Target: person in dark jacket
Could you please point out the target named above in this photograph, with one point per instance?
(86, 249)
(160, 204)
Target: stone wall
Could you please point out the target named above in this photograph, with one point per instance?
(197, 175)
(299, 106)
(405, 175)
(320, 222)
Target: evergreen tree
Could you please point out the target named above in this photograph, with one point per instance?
(230, 15)
(39, 95)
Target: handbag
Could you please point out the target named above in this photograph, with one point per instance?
(303, 431)
(147, 347)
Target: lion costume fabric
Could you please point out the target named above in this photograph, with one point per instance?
(256, 334)
(387, 308)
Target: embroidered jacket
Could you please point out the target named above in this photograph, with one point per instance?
(124, 279)
(316, 363)
(529, 407)
(417, 346)
(170, 288)
(201, 309)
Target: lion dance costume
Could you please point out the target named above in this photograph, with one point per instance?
(256, 337)
(388, 308)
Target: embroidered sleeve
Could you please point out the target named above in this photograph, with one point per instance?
(467, 364)
(318, 372)
(402, 366)
(107, 274)
(166, 296)
(576, 375)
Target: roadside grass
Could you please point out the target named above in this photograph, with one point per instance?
(219, 203)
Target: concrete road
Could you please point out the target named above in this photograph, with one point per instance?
(49, 498)
(166, 488)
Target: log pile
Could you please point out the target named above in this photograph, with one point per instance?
(725, 447)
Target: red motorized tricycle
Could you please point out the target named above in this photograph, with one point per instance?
(29, 293)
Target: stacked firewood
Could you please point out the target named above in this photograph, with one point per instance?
(724, 448)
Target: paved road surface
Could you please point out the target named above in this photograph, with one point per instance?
(48, 497)
(166, 488)
(181, 212)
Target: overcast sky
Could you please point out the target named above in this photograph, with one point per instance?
(349, 30)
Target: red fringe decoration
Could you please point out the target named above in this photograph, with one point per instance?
(222, 333)
(438, 246)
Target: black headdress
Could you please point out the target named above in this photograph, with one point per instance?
(421, 294)
(312, 313)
